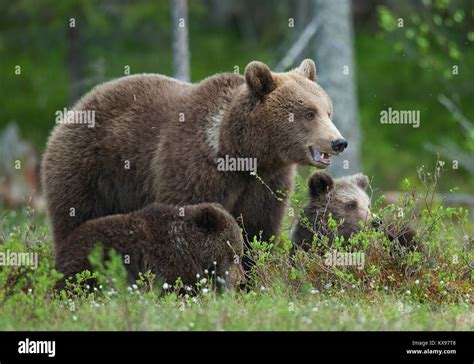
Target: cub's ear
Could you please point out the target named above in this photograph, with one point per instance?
(320, 183)
(259, 78)
(210, 219)
(308, 69)
(361, 180)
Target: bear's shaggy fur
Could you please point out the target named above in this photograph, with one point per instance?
(171, 242)
(345, 198)
(156, 139)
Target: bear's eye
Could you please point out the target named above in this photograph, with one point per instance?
(352, 205)
(329, 114)
(310, 115)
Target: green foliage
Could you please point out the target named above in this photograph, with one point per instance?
(434, 37)
(32, 283)
(389, 152)
(138, 34)
(432, 33)
(435, 267)
(403, 292)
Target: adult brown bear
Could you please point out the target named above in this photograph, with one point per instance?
(152, 138)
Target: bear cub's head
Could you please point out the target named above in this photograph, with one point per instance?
(291, 108)
(219, 240)
(344, 198)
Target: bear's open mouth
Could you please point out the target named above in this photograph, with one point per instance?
(320, 157)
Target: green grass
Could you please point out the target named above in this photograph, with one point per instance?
(428, 290)
(250, 311)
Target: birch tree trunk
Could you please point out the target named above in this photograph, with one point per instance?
(303, 14)
(179, 14)
(75, 64)
(336, 74)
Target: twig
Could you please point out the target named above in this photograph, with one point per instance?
(298, 47)
(452, 152)
(452, 107)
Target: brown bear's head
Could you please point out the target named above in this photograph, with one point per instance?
(284, 118)
(218, 239)
(345, 198)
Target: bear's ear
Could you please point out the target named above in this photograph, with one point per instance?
(210, 219)
(320, 183)
(361, 180)
(259, 78)
(308, 69)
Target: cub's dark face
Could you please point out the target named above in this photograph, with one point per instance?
(296, 114)
(345, 198)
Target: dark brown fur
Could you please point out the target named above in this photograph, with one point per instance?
(137, 119)
(158, 238)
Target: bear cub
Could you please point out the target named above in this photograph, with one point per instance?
(169, 241)
(347, 201)
(345, 198)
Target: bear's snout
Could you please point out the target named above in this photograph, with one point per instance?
(376, 222)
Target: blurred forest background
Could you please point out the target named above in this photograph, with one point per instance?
(407, 55)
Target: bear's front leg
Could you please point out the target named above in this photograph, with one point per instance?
(261, 207)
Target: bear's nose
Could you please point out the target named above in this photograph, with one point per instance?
(339, 145)
(376, 222)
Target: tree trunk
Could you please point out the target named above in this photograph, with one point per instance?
(303, 14)
(179, 14)
(75, 64)
(336, 74)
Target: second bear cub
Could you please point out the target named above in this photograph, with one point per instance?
(347, 201)
(344, 198)
(169, 241)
